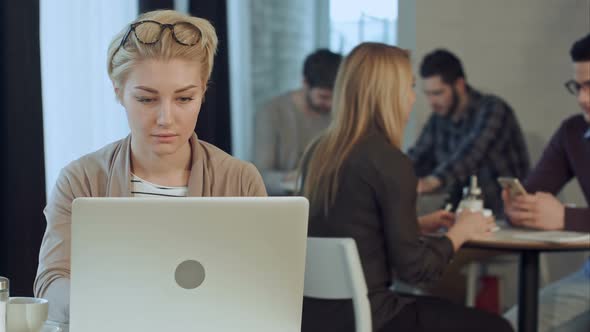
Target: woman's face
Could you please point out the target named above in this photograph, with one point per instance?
(162, 100)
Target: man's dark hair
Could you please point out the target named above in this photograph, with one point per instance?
(444, 63)
(580, 51)
(320, 68)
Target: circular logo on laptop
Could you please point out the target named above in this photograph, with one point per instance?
(189, 274)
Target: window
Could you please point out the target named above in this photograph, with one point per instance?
(80, 113)
(353, 22)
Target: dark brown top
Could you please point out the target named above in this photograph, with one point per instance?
(376, 206)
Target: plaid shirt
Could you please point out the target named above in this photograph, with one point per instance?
(486, 141)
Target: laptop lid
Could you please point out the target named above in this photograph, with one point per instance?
(187, 264)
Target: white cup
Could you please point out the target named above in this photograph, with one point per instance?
(485, 212)
(26, 314)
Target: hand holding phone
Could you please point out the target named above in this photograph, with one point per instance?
(514, 186)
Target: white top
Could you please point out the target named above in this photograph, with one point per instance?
(143, 188)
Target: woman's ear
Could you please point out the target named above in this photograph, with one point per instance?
(118, 95)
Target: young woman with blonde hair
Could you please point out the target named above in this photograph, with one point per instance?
(361, 185)
(159, 66)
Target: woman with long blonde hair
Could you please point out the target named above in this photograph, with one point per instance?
(361, 185)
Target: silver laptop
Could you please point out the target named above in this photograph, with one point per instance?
(187, 264)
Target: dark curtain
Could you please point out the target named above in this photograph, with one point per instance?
(149, 5)
(214, 120)
(22, 173)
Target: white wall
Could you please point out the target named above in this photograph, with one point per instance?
(518, 50)
(406, 38)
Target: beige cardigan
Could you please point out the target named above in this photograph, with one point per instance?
(106, 173)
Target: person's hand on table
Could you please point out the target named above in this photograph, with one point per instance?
(432, 222)
(428, 184)
(540, 210)
(470, 226)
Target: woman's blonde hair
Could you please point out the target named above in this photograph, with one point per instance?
(371, 91)
(122, 59)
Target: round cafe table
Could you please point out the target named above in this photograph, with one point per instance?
(506, 239)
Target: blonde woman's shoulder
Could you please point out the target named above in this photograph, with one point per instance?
(101, 159)
(88, 174)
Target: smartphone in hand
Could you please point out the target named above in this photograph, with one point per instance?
(514, 186)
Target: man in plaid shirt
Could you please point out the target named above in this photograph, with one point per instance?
(469, 133)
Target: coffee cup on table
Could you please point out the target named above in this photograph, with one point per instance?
(26, 314)
(486, 213)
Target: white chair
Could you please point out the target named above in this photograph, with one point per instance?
(333, 271)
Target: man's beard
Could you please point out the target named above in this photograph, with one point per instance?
(312, 107)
